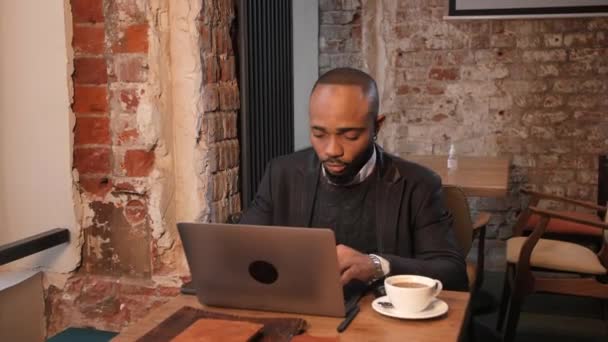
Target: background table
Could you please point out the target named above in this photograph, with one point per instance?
(476, 176)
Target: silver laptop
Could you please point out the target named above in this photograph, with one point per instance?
(264, 268)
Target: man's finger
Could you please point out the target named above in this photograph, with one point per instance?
(347, 276)
(341, 250)
(344, 262)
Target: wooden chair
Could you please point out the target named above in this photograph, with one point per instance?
(466, 230)
(564, 229)
(567, 267)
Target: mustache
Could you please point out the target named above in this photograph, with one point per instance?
(334, 161)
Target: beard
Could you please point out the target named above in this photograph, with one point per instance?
(351, 169)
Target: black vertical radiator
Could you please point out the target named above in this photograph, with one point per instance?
(266, 85)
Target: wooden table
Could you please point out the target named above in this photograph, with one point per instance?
(367, 326)
(477, 176)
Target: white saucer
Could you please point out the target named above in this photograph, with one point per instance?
(436, 308)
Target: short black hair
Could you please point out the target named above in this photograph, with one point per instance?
(351, 76)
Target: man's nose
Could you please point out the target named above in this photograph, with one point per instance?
(333, 148)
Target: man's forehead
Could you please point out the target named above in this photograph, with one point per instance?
(333, 89)
(338, 99)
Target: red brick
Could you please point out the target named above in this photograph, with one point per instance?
(578, 39)
(127, 136)
(87, 11)
(479, 41)
(165, 291)
(577, 191)
(125, 187)
(88, 39)
(222, 40)
(439, 117)
(601, 39)
(225, 10)
(229, 96)
(211, 69)
(92, 160)
(502, 41)
(92, 130)
(131, 69)
(90, 99)
(227, 68)
(126, 100)
(403, 89)
(592, 117)
(96, 186)
(90, 71)
(136, 289)
(206, 38)
(133, 39)
(130, 11)
(435, 89)
(135, 212)
(211, 99)
(406, 89)
(447, 74)
(138, 163)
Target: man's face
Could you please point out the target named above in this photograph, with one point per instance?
(341, 130)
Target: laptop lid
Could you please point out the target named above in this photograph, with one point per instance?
(267, 268)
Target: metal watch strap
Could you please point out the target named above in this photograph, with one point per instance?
(379, 273)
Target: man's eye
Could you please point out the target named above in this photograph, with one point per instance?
(352, 136)
(318, 135)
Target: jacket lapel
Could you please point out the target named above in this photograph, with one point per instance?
(389, 193)
(309, 180)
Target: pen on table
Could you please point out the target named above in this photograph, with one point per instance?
(349, 318)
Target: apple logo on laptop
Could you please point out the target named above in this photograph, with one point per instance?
(263, 271)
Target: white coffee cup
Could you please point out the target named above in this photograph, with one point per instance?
(408, 298)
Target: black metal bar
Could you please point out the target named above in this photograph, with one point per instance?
(33, 244)
(255, 95)
(245, 86)
(262, 74)
(281, 37)
(290, 79)
(275, 134)
(453, 11)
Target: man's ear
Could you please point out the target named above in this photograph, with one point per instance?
(379, 122)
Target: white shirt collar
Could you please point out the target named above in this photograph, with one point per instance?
(362, 175)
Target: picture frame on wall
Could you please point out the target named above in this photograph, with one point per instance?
(536, 8)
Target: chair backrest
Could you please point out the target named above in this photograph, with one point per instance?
(456, 202)
(606, 230)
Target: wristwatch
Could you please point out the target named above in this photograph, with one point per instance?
(378, 272)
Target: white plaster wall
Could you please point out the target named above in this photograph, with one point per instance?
(305, 65)
(190, 158)
(36, 128)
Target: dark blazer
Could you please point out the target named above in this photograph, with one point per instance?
(414, 230)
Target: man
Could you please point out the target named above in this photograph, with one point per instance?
(386, 213)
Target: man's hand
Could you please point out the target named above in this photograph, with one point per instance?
(354, 265)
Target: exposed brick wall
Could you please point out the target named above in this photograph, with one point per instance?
(221, 93)
(113, 162)
(132, 258)
(533, 90)
(107, 303)
(339, 34)
(110, 55)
